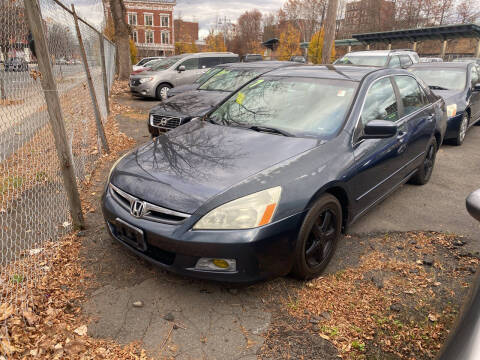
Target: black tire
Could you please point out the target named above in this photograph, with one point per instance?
(162, 89)
(318, 236)
(462, 130)
(425, 170)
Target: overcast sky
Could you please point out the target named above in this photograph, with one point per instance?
(206, 11)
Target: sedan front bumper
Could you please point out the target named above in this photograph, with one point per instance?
(453, 126)
(260, 253)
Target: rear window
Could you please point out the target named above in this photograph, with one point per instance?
(442, 79)
(368, 60)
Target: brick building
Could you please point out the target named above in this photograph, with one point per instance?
(185, 31)
(367, 16)
(152, 26)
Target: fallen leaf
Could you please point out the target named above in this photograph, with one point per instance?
(29, 317)
(6, 310)
(432, 317)
(82, 330)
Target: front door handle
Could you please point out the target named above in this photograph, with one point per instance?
(401, 134)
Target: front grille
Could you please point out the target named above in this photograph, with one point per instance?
(148, 211)
(165, 122)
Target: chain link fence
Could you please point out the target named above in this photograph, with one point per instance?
(34, 206)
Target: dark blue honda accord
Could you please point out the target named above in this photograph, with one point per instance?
(459, 85)
(266, 183)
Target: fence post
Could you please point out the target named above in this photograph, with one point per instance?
(104, 72)
(96, 109)
(54, 109)
(3, 95)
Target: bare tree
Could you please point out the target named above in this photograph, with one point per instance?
(12, 24)
(330, 25)
(122, 38)
(250, 31)
(468, 11)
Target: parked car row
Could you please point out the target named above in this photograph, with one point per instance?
(257, 168)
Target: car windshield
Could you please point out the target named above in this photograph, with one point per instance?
(207, 75)
(228, 80)
(369, 60)
(143, 61)
(164, 64)
(442, 79)
(297, 106)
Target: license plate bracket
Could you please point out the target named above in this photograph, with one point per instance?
(130, 234)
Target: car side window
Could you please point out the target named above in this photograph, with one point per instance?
(411, 94)
(380, 102)
(474, 75)
(190, 64)
(394, 62)
(208, 62)
(405, 60)
(227, 60)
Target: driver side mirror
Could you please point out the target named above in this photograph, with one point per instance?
(181, 68)
(379, 129)
(473, 204)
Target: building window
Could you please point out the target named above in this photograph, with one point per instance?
(132, 18)
(165, 37)
(149, 37)
(148, 19)
(135, 36)
(164, 20)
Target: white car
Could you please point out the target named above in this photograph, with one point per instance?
(140, 65)
(401, 58)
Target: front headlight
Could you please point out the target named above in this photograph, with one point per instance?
(245, 213)
(144, 80)
(115, 164)
(452, 110)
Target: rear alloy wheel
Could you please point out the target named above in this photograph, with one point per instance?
(462, 130)
(425, 170)
(162, 91)
(318, 237)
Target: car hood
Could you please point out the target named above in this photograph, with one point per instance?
(190, 104)
(451, 97)
(184, 168)
(181, 89)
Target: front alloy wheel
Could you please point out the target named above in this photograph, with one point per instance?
(318, 237)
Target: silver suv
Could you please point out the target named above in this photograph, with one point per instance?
(176, 70)
(400, 58)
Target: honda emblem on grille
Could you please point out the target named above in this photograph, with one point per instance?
(137, 208)
(163, 121)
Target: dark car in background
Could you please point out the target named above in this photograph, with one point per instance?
(16, 64)
(265, 185)
(197, 103)
(252, 58)
(458, 83)
(299, 59)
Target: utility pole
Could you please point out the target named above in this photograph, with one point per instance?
(330, 25)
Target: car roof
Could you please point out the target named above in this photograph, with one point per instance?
(445, 64)
(259, 65)
(378, 52)
(340, 72)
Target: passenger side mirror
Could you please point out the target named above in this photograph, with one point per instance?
(181, 68)
(473, 204)
(379, 129)
(476, 87)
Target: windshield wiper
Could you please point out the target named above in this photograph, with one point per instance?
(436, 87)
(270, 130)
